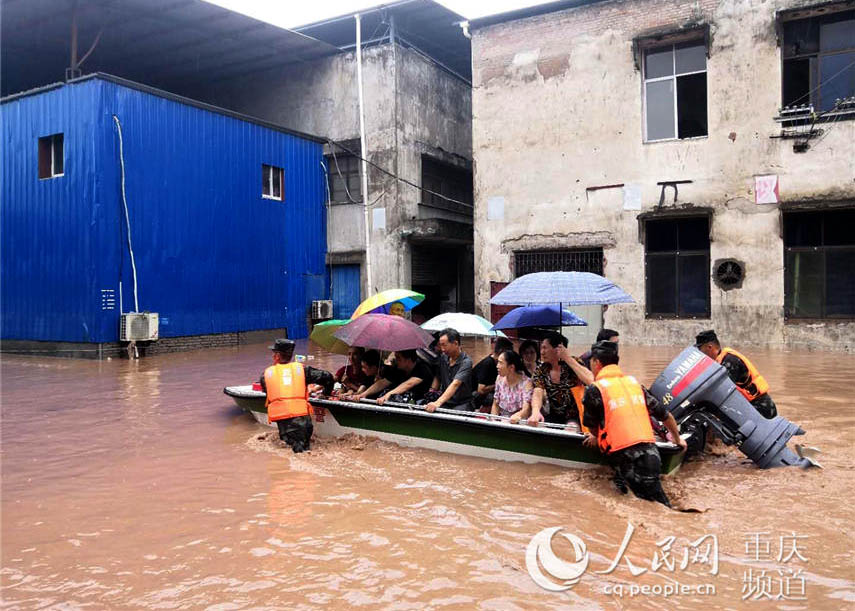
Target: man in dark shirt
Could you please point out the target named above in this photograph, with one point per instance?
(413, 378)
(485, 373)
(637, 464)
(741, 371)
(455, 375)
(554, 380)
(604, 335)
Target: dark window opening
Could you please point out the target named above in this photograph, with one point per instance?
(571, 260)
(819, 258)
(445, 186)
(677, 261)
(819, 60)
(675, 91)
(345, 182)
(272, 182)
(51, 156)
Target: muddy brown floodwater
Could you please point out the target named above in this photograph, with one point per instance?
(140, 485)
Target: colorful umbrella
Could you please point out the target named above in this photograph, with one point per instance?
(465, 324)
(383, 332)
(564, 288)
(538, 316)
(322, 335)
(379, 303)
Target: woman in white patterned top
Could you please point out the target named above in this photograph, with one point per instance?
(513, 388)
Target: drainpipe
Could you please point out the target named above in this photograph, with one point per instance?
(364, 156)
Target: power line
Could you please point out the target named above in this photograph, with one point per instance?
(396, 177)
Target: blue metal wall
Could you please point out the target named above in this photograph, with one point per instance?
(345, 291)
(212, 255)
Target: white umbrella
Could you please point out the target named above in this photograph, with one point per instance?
(465, 324)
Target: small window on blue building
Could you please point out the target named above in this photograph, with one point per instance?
(51, 156)
(272, 182)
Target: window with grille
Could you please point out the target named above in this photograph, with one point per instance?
(51, 156)
(570, 260)
(344, 179)
(445, 186)
(272, 182)
(819, 256)
(677, 267)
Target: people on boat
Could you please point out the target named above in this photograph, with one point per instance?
(370, 371)
(286, 384)
(530, 353)
(603, 335)
(409, 380)
(513, 387)
(350, 376)
(454, 379)
(485, 373)
(623, 431)
(558, 383)
(742, 372)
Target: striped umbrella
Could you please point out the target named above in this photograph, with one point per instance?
(564, 288)
(379, 303)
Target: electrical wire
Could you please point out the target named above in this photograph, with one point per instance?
(824, 82)
(398, 178)
(125, 203)
(327, 185)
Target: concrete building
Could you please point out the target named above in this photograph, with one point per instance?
(417, 101)
(694, 152)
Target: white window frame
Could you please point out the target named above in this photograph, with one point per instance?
(673, 77)
(281, 172)
(52, 140)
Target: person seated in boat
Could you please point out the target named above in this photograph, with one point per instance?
(286, 384)
(742, 372)
(410, 379)
(486, 372)
(454, 381)
(397, 309)
(604, 335)
(530, 353)
(513, 388)
(623, 431)
(350, 376)
(558, 380)
(370, 373)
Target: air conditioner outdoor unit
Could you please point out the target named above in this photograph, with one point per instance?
(139, 327)
(322, 310)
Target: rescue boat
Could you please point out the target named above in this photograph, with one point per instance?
(472, 434)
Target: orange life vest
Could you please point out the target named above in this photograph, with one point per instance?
(627, 421)
(287, 393)
(579, 392)
(758, 382)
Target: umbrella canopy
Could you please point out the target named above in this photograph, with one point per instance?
(539, 316)
(379, 303)
(565, 288)
(465, 324)
(322, 335)
(383, 332)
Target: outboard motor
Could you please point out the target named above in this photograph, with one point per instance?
(700, 394)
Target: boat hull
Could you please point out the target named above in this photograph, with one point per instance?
(458, 434)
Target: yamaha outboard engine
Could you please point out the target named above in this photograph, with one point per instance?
(700, 394)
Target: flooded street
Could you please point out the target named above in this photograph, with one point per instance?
(140, 485)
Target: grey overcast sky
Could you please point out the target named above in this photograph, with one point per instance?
(293, 13)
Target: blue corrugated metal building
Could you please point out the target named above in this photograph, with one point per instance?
(213, 254)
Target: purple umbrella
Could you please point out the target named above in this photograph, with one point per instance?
(383, 332)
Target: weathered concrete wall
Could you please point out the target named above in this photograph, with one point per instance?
(557, 108)
(411, 107)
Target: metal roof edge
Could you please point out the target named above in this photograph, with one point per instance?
(531, 11)
(168, 96)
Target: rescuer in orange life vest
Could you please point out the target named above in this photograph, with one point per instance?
(748, 380)
(617, 411)
(286, 385)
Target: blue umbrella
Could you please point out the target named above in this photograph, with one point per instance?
(538, 316)
(565, 288)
